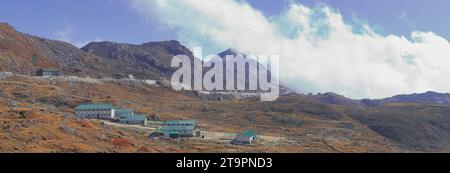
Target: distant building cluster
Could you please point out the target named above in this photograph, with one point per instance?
(169, 130)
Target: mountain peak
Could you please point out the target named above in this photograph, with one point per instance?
(166, 44)
(230, 51)
(429, 97)
(433, 93)
(6, 28)
(147, 60)
(4, 24)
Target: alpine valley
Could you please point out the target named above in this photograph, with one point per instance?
(37, 113)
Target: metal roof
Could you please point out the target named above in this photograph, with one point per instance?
(94, 106)
(248, 133)
(179, 125)
(134, 118)
(180, 122)
(177, 128)
(124, 112)
(49, 70)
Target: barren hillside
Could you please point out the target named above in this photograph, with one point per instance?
(37, 116)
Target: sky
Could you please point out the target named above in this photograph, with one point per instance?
(115, 20)
(358, 48)
(81, 21)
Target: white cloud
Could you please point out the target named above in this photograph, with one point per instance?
(319, 51)
(66, 35)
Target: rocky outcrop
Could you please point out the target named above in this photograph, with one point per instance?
(24, 53)
(148, 60)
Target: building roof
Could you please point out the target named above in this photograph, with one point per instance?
(134, 118)
(176, 128)
(49, 70)
(248, 133)
(124, 112)
(182, 125)
(94, 106)
(140, 114)
(180, 122)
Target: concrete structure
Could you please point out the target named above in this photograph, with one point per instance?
(122, 113)
(48, 72)
(108, 112)
(247, 137)
(96, 111)
(179, 128)
(127, 116)
(134, 119)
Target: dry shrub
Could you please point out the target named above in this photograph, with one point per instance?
(84, 123)
(120, 142)
(143, 149)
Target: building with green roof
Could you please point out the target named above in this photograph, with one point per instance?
(179, 128)
(246, 137)
(134, 119)
(180, 122)
(122, 113)
(108, 112)
(96, 111)
(94, 106)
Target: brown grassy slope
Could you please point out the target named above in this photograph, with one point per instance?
(17, 50)
(306, 126)
(419, 127)
(23, 53)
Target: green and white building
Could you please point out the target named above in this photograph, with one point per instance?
(179, 128)
(247, 137)
(96, 111)
(108, 112)
(122, 113)
(140, 119)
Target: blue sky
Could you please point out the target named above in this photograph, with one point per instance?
(88, 20)
(114, 20)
